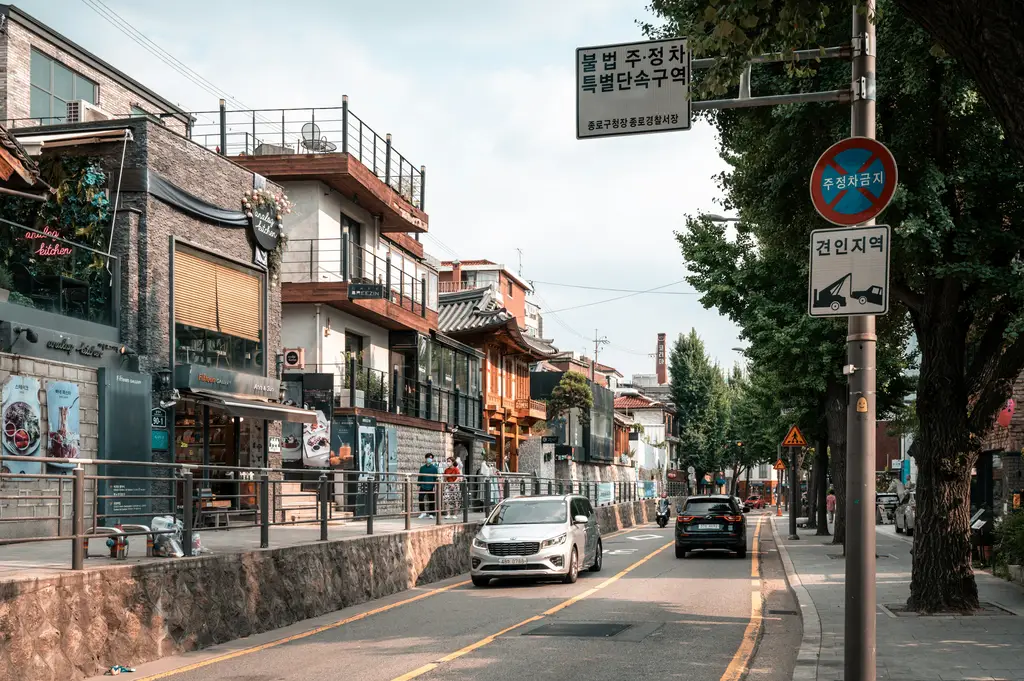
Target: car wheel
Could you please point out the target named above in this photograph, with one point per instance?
(862, 300)
(481, 581)
(834, 306)
(598, 559)
(574, 568)
(680, 551)
(741, 552)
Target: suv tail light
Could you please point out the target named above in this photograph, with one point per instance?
(686, 518)
(734, 518)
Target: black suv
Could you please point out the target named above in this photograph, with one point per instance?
(711, 522)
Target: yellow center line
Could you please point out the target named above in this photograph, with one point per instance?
(564, 604)
(741, 659)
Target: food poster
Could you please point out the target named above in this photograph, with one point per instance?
(343, 437)
(368, 463)
(291, 433)
(317, 396)
(63, 419)
(20, 415)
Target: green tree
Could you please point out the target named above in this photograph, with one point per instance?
(572, 392)
(957, 245)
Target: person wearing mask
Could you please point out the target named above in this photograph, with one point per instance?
(426, 480)
(452, 475)
(830, 505)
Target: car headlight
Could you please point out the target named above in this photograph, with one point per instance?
(560, 539)
(479, 543)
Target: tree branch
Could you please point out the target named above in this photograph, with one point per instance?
(986, 354)
(997, 387)
(902, 293)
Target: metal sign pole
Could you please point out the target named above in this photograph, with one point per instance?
(859, 658)
(794, 491)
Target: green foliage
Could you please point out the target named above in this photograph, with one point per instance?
(572, 392)
(1009, 548)
(702, 401)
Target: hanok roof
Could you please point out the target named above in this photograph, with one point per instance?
(24, 172)
(478, 311)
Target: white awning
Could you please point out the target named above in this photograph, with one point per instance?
(239, 406)
(34, 144)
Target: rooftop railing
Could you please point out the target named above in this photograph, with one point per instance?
(282, 132)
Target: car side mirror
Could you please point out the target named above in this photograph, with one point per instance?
(580, 520)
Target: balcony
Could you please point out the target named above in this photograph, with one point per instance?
(331, 145)
(337, 273)
(532, 409)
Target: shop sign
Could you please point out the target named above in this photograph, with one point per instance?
(63, 420)
(160, 440)
(366, 291)
(158, 417)
(46, 249)
(124, 399)
(21, 423)
(549, 439)
(69, 347)
(274, 445)
(265, 229)
(212, 379)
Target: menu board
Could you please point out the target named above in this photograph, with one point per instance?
(318, 396)
(21, 426)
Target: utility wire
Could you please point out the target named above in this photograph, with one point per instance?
(616, 290)
(610, 300)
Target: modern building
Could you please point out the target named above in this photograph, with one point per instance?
(653, 436)
(46, 79)
(534, 320)
(509, 290)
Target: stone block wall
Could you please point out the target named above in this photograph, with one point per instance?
(415, 443)
(45, 372)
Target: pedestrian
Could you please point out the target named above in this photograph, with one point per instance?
(427, 480)
(830, 505)
(452, 475)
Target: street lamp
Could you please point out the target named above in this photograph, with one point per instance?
(714, 217)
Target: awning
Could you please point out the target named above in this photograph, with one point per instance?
(464, 433)
(254, 409)
(36, 143)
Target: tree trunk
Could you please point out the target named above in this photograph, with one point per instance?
(942, 579)
(821, 490)
(836, 395)
(812, 495)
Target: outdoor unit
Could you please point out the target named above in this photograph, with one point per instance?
(294, 358)
(81, 111)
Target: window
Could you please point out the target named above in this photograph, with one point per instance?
(510, 289)
(53, 86)
(354, 347)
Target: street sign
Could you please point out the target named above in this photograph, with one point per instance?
(633, 88)
(849, 271)
(158, 418)
(549, 439)
(853, 181)
(794, 438)
(780, 465)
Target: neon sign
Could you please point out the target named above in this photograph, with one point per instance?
(48, 249)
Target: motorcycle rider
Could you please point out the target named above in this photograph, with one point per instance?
(664, 505)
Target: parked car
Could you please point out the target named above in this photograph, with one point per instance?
(755, 501)
(546, 536)
(885, 506)
(711, 522)
(906, 514)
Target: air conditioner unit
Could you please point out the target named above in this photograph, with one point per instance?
(294, 358)
(81, 111)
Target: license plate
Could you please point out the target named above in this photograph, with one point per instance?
(708, 527)
(512, 560)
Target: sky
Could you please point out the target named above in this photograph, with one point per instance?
(482, 94)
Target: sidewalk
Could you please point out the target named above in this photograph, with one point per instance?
(909, 647)
(45, 559)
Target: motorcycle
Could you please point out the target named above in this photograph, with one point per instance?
(662, 515)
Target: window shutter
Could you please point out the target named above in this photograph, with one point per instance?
(195, 287)
(238, 303)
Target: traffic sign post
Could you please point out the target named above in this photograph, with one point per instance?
(853, 181)
(849, 273)
(779, 466)
(633, 88)
(794, 442)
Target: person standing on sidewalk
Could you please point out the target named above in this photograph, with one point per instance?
(427, 480)
(452, 475)
(830, 505)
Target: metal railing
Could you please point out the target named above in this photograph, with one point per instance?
(337, 259)
(282, 132)
(119, 507)
(459, 286)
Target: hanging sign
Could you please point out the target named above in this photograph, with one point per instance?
(265, 228)
(853, 181)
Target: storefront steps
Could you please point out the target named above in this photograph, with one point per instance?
(76, 624)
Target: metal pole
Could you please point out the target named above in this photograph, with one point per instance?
(264, 511)
(423, 188)
(437, 499)
(794, 492)
(859, 659)
(387, 160)
(344, 124)
(465, 500)
(408, 503)
(223, 128)
(77, 519)
(323, 506)
(188, 498)
(371, 497)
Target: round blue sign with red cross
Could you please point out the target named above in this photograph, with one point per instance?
(853, 181)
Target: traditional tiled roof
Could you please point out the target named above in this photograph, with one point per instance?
(468, 263)
(477, 310)
(633, 402)
(28, 172)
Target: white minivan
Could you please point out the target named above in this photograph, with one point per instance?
(545, 536)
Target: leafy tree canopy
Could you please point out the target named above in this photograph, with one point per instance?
(572, 392)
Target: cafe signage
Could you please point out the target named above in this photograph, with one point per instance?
(265, 228)
(365, 291)
(212, 379)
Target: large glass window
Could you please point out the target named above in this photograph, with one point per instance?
(447, 368)
(474, 376)
(53, 86)
(195, 345)
(462, 373)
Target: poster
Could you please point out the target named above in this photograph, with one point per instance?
(367, 442)
(21, 432)
(318, 396)
(291, 433)
(63, 419)
(343, 438)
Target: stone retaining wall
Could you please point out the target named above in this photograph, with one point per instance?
(78, 624)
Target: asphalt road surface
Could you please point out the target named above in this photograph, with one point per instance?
(646, 615)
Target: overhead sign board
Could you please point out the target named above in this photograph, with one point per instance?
(794, 438)
(633, 88)
(849, 274)
(853, 181)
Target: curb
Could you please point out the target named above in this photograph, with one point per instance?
(806, 668)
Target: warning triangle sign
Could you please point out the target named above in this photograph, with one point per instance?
(795, 438)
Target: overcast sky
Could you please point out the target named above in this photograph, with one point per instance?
(482, 93)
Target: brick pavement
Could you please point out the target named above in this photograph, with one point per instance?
(909, 648)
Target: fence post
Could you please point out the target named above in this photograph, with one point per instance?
(253, 134)
(507, 488)
(457, 403)
(549, 488)
(344, 124)
(387, 160)
(408, 502)
(438, 498)
(344, 256)
(465, 500)
(393, 407)
(423, 187)
(188, 498)
(430, 399)
(401, 176)
(312, 259)
(264, 511)
(77, 519)
(371, 503)
(423, 296)
(323, 506)
(223, 143)
(352, 382)
(387, 278)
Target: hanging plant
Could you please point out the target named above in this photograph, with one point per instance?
(278, 203)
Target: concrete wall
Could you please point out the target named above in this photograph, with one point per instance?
(78, 624)
(299, 330)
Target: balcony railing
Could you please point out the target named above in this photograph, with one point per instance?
(458, 286)
(44, 271)
(339, 260)
(276, 132)
(529, 408)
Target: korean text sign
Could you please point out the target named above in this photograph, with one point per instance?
(849, 273)
(632, 88)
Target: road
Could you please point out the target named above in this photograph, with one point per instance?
(697, 619)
